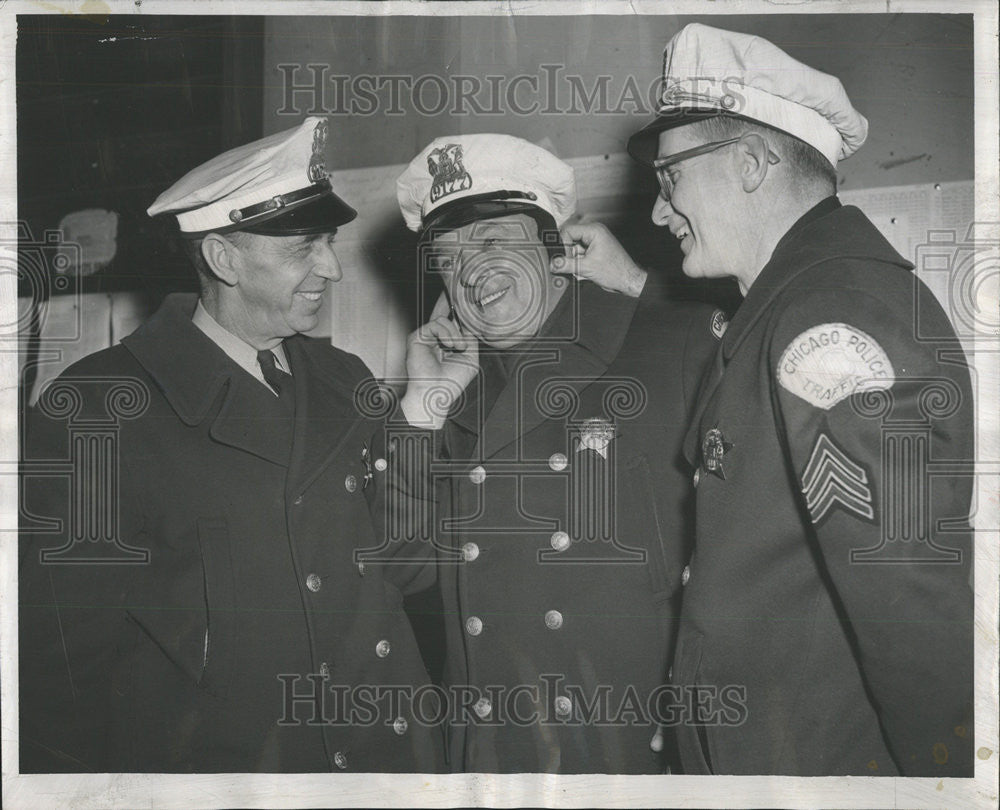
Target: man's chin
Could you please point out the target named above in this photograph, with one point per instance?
(505, 341)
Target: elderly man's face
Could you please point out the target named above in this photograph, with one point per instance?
(282, 282)
(495, 273)
(702, 211)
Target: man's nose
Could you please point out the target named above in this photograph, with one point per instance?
(661, 210)
(329, 267)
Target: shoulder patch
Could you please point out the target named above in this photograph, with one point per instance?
(826, 364)
(719, 323)
(831, 478)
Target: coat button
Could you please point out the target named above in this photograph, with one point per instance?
(477, 474)
(559, 541)
(324, 669)
(553, 620)
(298, 500)
(340, 760)
(563, 705)
(381, 464)
(399, 725)
(483, 707)
(558, 462)
(382, 648)
(697, 476)
(350, 483)
(314, 582)
(470, 551)
(474, 625)
(686, 575)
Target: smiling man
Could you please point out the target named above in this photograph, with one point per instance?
(561, 519)
(830, 577)
(198, 619)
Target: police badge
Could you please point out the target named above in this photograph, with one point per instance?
(596, 434)
(713, 448)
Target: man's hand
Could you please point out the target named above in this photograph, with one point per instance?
(441, 360)
(592, 253)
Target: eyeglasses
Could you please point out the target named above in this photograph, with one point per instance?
(663, 164)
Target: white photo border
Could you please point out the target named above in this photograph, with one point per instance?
(514, 790)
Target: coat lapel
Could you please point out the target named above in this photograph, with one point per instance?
(582, 337)
(325, 412)
(200, 381)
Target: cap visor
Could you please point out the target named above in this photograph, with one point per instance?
(455, 215)
(643, 146)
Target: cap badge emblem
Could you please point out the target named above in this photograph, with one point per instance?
(317, 164)
(445, 166)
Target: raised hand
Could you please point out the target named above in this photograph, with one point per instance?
(593, 253)
(441, 360)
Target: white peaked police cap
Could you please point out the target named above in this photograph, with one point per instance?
(462, 178)
(709, 72)
(277, 186)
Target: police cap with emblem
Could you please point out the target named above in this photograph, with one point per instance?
(461, 179)
(277, 186)
(708, 72)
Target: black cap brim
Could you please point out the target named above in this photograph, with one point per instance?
(643, 146)
(456, 215)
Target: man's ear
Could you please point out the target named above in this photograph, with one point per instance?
(754, 153)
(222, 257)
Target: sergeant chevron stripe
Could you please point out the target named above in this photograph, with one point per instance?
(831, 477)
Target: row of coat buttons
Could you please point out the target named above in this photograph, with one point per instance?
(563, 706)
(557, 462)
(399, 725)
(382, 650)
(559, 541)
(474, 625)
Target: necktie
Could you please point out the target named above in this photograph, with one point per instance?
(279, 380)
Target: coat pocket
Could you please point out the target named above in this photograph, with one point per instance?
(219, 651)
(639, 525)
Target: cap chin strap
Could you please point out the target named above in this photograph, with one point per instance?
(239, 216)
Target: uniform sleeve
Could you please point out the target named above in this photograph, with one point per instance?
(870, 420)
(403, 508)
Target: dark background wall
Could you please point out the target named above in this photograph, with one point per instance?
(112, 110)
(910, 74)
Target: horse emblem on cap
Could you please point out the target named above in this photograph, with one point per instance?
(445, 166)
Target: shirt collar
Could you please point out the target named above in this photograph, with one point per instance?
(239, 351)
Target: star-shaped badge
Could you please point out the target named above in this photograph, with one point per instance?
(596, 435)
(713, 448)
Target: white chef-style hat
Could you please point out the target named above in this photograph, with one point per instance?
(709, 72)
(459, 179)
